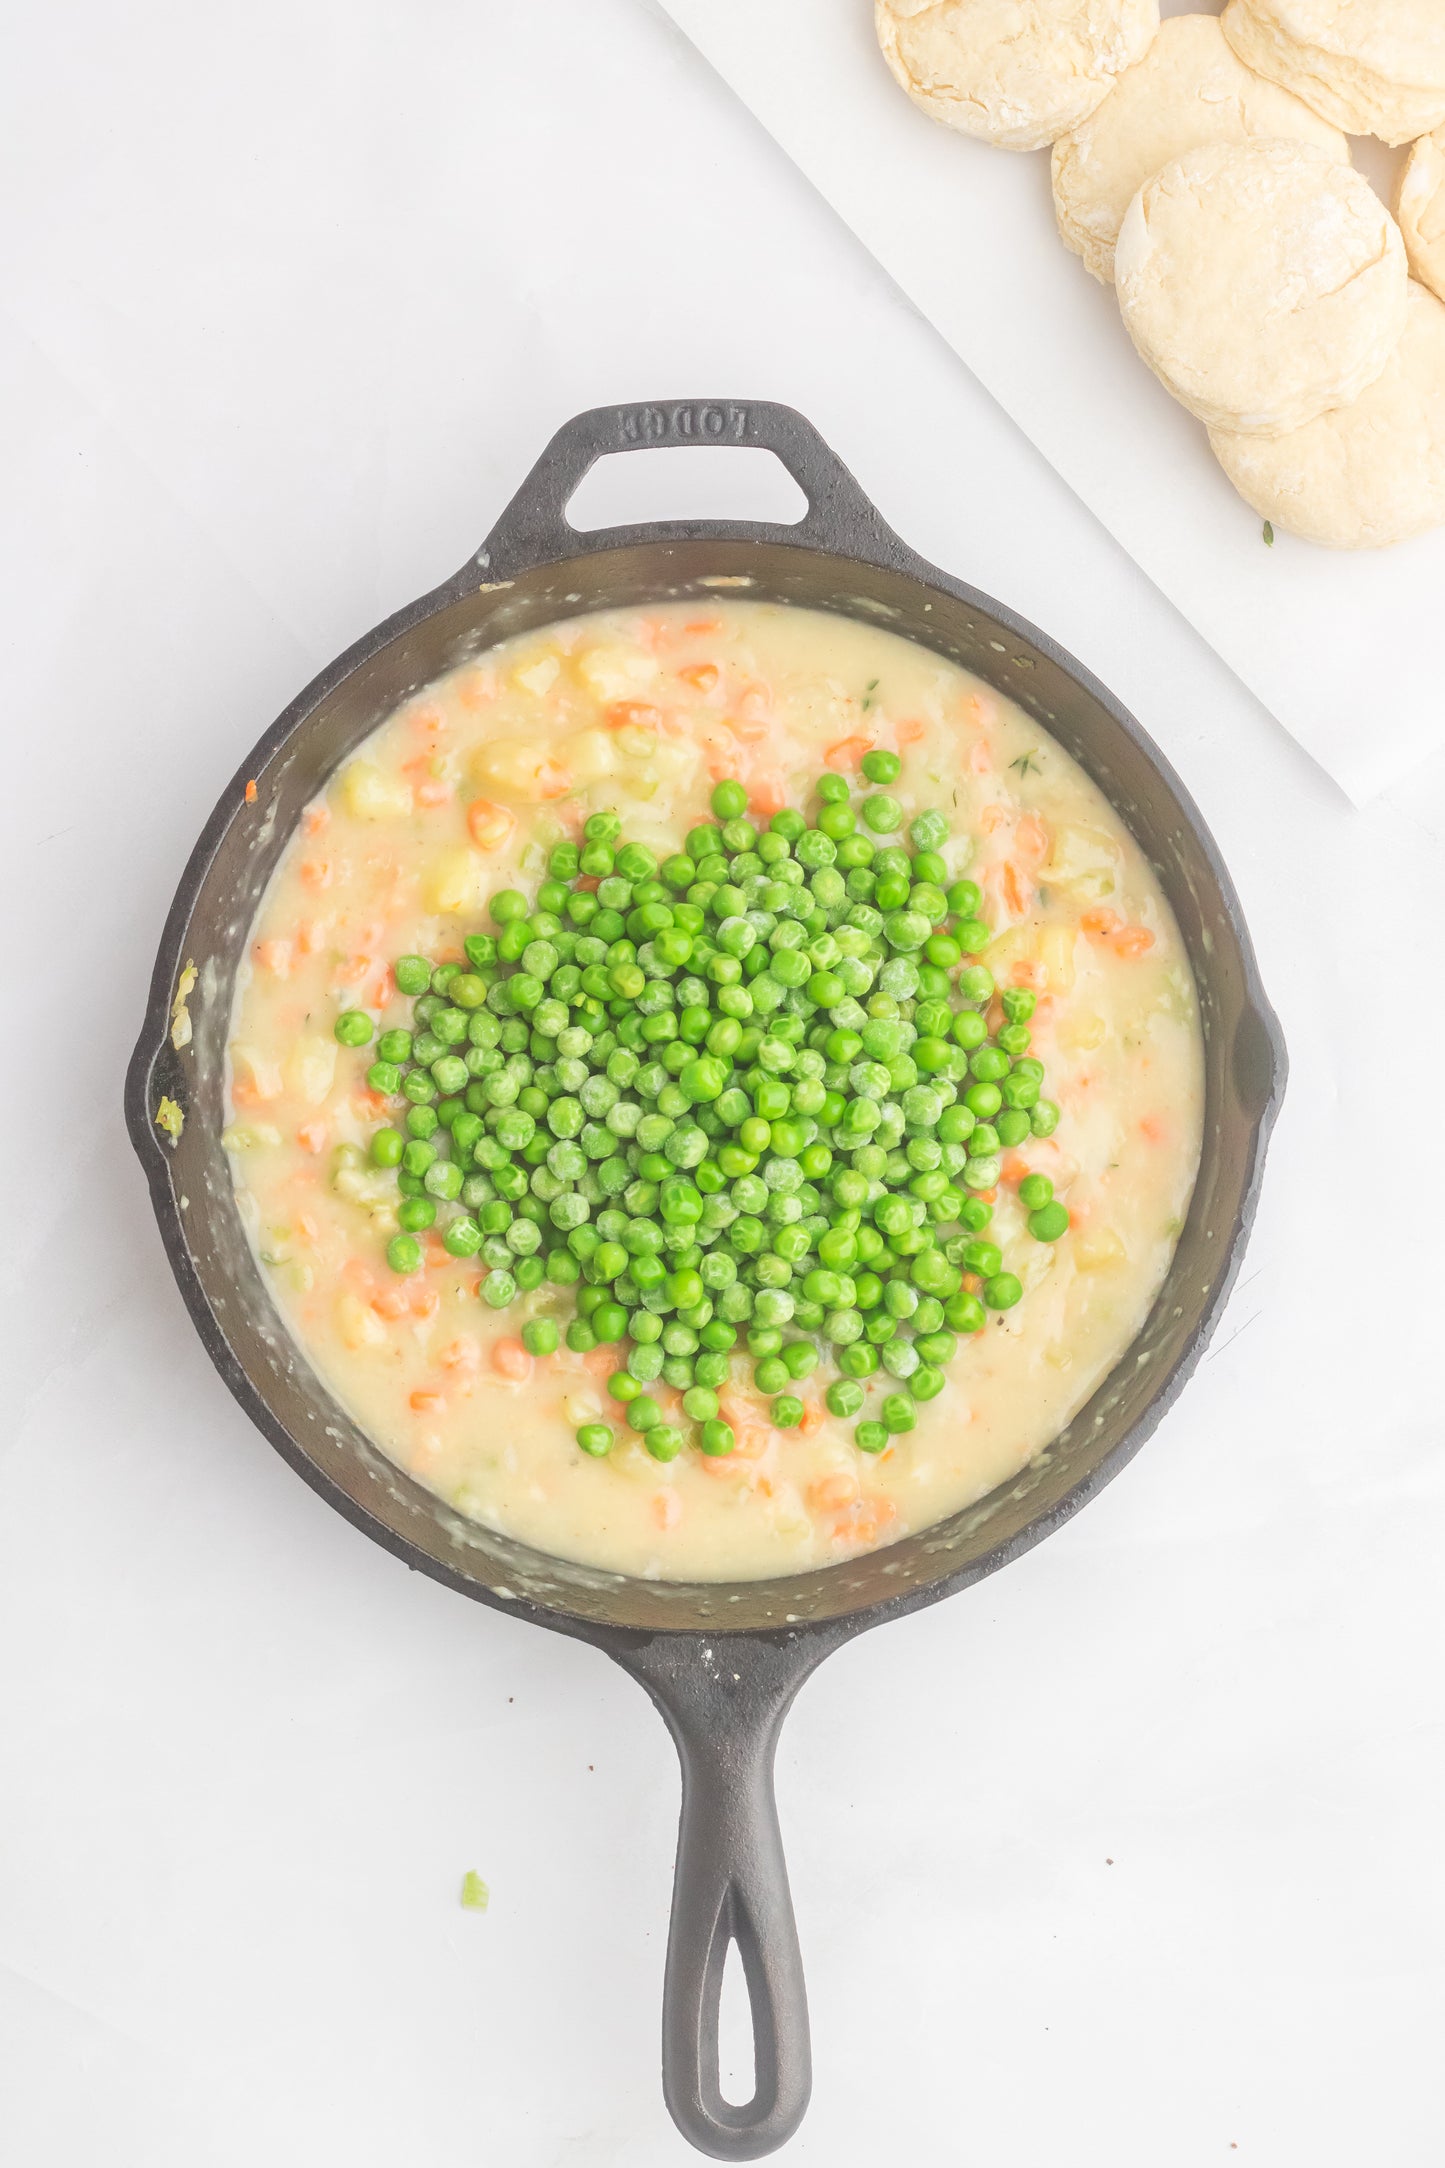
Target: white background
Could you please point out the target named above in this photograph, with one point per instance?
(289, 299)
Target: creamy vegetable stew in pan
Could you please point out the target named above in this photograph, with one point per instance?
(713, 1089)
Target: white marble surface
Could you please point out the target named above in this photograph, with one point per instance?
(287, 304)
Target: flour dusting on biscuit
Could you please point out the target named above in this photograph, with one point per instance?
(1263, 283)
(1190, 89)
(1365, 475)
(1015, 73)
(1373, 67)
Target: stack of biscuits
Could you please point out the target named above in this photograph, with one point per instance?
(1201, 167)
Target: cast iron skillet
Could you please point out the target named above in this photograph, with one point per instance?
(722, 1662)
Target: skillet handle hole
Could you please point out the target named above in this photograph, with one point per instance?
(686, 481)
(737, 2073)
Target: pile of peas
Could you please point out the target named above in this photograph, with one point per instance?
(747, 1092)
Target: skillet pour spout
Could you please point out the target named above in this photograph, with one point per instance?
(721, 1661)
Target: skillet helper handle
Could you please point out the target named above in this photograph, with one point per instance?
(534, 528)
(724, 1704)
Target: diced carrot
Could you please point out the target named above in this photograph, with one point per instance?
(316, 872)
(1133, 941)
(312, 1136)
(619, 713)
(275, 956)
(831, 1491)
(1027, 972)
(244, 1094)
(865, 1522)
(1013, 1169)
(980, 758)
(848, 752)
(433, 792)
(702, 627)
(511, 1360)
(308, 937)
(1018, 889)
(426, 1402)
(250, 794)
(989, 1196)
(992, 817)
(354, 968)
(972, 1283)
(702, 676)
(391, 1302)
(553, 780)
(476, 688)
(752, 729)
(812, 1418)
(1100, 922)
(489, 825)
(910, 731)
(601, 1361)
(381, 989)
(767, 794)
(1031, 838)
(1152, 1128)
(666, 1509)
(306, 1227)
(424, 1300)
(461, 1354)
(591, 882)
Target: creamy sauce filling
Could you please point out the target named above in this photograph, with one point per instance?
(463, 791)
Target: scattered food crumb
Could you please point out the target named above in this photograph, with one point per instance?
(475, 1894)
(250, 794)
(180, 1014)
(1269, 534)
(170, 1119)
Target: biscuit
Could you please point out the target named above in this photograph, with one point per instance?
(1420, 208)
(1015, 73)
(1364, 475)
(1190, 88)
(1263, 282)
(1373, 67)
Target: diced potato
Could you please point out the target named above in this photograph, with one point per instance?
(611, 670)
(310, 1068)
(248, 1136)
(636, 742)
(258, 1070)
(369, 794)
(357, 1322)
(1056, 954)
(373, 1188)
(1100, 1249)
(581, 1405)
(454, 881)
(1083, 860)
(588, 757)
(518, 768)
(537, 676)
(1083, 1031)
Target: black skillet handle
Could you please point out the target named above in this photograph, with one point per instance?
(724, 1702)
(534, 529)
